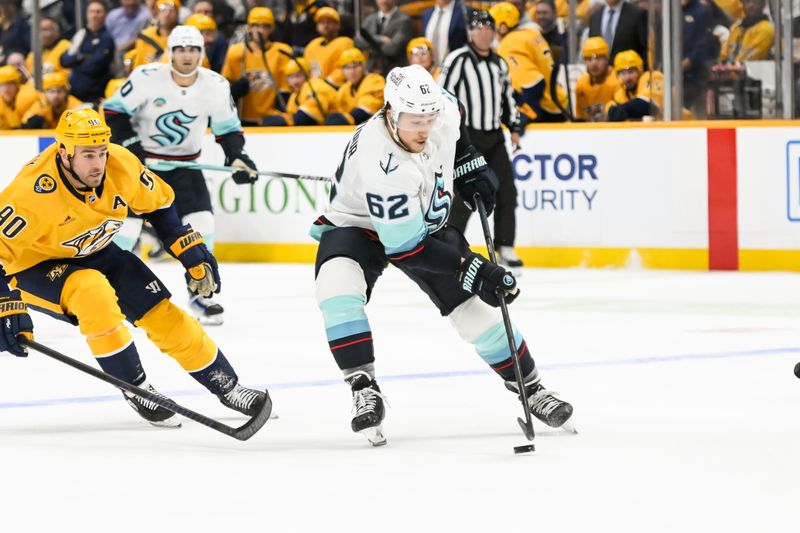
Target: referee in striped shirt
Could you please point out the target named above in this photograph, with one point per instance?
(479, 78)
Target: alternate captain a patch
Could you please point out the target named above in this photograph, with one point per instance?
(44, 184)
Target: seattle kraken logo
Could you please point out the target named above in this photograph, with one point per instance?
(439, 207)
(172, 128)
(388, 168)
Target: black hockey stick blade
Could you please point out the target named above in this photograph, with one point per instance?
(243, 432)
(527, 424)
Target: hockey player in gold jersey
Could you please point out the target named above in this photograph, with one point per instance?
(323, 52)
(151, 43)
(597, 86)
(530, 64)
(255, 68)
(361, 96)
(311, 100)
(641, 93)
(16, 98)
(57, 221)
(44, 114)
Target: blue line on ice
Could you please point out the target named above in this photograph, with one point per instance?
(438, 375)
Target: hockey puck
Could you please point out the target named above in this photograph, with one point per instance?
(797, 370)
(528, 448)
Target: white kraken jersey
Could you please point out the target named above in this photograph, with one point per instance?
(171, 120)
(399, 195)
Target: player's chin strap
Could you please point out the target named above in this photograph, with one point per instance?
(392, 125)
(73, 174)
(189, 75)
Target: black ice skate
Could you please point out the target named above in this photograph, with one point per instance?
(155, 414)
(249, 402)
(545, 406)
(206, 311)
(368, 407)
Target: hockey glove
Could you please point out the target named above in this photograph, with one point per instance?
(472, 175)
(240, 88)
(486, 280)
(202, 272)
(248, 172)
(15, 321)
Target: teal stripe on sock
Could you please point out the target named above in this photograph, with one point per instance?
(492, 345)
(343, 309)
(345, 330)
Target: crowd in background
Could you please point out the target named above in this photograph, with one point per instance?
(302, 62)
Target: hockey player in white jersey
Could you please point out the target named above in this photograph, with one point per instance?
(389, 204)
(161, 114)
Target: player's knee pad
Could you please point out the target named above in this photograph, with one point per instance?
(129, 233)
(341, 295)
(482, 326)
(178, 335)
(89, 296)
(202, 221)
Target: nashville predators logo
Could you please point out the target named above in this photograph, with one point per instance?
(44, 184)
(57, 271)
(94, 239)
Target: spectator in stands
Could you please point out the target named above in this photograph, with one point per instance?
(622, 25)
(420, 52)
(203, 7)
(323, 52)
(15, 98)
(530, 65)
(732, 8)
(255, 68)
(44, 113)
(53, 46)
(525, 16)
(123, 23)
(151, 43)
(697, 41)
(445, 27)
(15, 31)
(384, 36)
(302, 27)
(751, 37)
(90, 55)
(361, 96)
(216, 46)
(546, 18)
(598, 85)
(311, 100)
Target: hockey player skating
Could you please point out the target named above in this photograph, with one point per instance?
(161, 114)
(57, 222)
(390, 203)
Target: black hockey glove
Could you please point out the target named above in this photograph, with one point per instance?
(240, 88)
(15, 321)
(247, 174)
(479, 276)
(202, 272)
(472, 175)
(617, 113)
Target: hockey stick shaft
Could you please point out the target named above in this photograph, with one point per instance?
(527, 426)
(242, 433)
(164, 164)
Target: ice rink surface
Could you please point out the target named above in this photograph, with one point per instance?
(685, 400)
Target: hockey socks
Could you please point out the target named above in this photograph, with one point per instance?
(218, 377)
(493, 348)
(348, 331)
(124, 364)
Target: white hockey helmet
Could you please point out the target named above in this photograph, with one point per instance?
(185, 36)
(412, 90)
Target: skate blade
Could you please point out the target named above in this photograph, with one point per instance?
(210, 320)
(173, 422)
(374, 435)
(569, 428)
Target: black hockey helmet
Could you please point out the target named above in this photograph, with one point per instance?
(479, 17)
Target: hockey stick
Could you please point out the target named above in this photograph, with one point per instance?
(170, 165)
(278, 95)
(527, 425)
(243, 432)
(308, 79)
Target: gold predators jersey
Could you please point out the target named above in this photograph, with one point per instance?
(591, 98)
(246, 60)
(323, 56)
(304, 100)
(43, 109)
(530, 62)
(367, 95)
(11, 113)
(143, 51)
(750, 44)
(43, 217)
(51, 58)
(647, 91)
